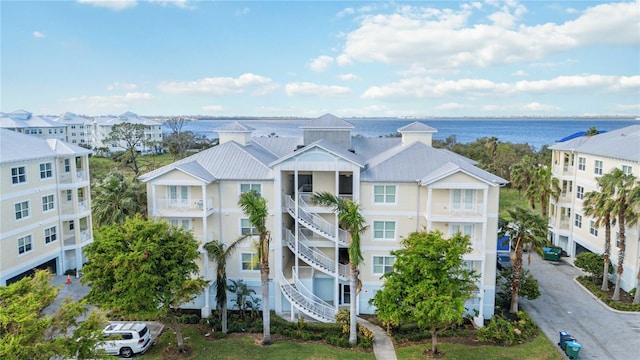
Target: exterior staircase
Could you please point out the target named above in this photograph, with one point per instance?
(305, 301)
(315, 257)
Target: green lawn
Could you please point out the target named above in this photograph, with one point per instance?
(245, 347)
(539, 349)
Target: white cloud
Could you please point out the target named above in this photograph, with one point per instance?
(529, 108)
(111, 4)
(106, 104)
(450, 106)
(415, 35)
(321, 63)
(217, 85)
(213, 108)
(118, 85)
(184, 4)
(348, 77)
(519, 73)
(311, 89)
(426, 87)
(38, 34)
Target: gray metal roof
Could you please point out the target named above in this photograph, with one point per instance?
(417, 126)
(234, 127)
(327, 121)
(622, 144)
(24, 119)
(15, 146)
(370, 147)
(419, 161)
(278, 146)
(327, 146)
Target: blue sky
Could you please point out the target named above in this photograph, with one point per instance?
(274, 58)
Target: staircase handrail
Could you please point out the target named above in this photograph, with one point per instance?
(314, 255)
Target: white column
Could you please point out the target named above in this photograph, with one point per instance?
(429, 201)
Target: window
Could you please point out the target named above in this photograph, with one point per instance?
(582, 163)
(462, 199)
(47, 203)
(248, 187)
(18, 175)
(384, 230)
(71, 225)
(46, 171)
(597, 167)
(181, 223)
(69, 195)
(25, 244)
(578, 221)
(178, 195)
(383, 264)
(592, 228)
(21, 209)
(579, 192)
(67, 165)
(627, 170)
(384, 194)
(617, 239)
(464, 229)
(250, 261)
(50, 235)
(246, 228)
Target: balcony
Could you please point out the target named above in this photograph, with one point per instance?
(67, 178)
(69, 208)
(447, 211)
(184, 207)
(565, 169)
(70, 237)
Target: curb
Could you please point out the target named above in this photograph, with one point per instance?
(633, 313)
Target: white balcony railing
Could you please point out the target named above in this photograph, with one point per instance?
(186, 205)
(315, 222)
(449, 209)
(305, 301)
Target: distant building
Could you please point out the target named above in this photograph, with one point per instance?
(403, 185)
(90, 132)
(577, 163)
(46, 205)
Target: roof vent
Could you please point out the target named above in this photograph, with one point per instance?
(352, 151)
(298, 147)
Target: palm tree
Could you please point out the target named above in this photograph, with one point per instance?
(117, 198)
(600, 205)
(350, 219)
(492, 144)
(255, 207)
(526, 228)
(624, 194)
(546, 187)
(218, 252)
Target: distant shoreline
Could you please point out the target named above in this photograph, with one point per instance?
(461, 118)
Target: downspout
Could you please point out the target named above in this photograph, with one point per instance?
(207, 308)
(418, 205)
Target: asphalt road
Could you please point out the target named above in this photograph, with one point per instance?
(565, 305)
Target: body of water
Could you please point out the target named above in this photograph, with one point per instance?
(535, 132)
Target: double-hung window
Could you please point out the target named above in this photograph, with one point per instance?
(178, 195)
(246, 228)
(582, 163)
(384, 230)
(48, 203)
(579, 192)
(248, 187)
(50, 235)
(578, 221)
(593, 229)
(597, 167)
(464, 229)
(19, 175)
(383, 264)
(21, 210)
(25, 244)
(463, 199)
(249, 261)
(627, 170)
(46, 170)
(384, 194)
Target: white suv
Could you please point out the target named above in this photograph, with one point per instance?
(125, 339)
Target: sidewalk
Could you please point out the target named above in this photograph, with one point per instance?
(382, 344)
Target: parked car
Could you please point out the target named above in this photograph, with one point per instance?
(125, 339)
(504, 261)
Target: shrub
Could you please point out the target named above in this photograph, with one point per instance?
(508, 332)
(592, 264)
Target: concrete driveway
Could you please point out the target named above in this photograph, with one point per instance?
(566, 306)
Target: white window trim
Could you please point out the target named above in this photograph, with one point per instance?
(26, 175)
(395, 230)
(384, 194)
(250, 227)
(253, 254)
(28, 210)
(251, 187)
(598, 170)
(53, 202)
(384, 264)
(46, 178)
(45, 235)
(583, 164)
(463, 199)
(25, 253)
(593, 228)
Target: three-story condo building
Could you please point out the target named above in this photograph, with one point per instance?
(577, 164)
(403, 184)
(45, 204)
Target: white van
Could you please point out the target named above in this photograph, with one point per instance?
(125, 339)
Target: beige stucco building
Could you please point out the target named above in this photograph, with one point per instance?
(577, 164)
(45, 204)
(402, 184)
